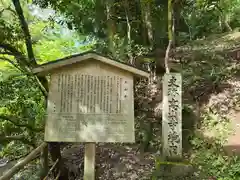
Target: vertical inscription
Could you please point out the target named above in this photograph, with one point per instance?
(111, 95)
(84, 100)
(118, 95)
(83, 93)
(59, 83)
(94, 81)
(104, 88)
(76, 92)
(98, 92)
(68, 90)
(65, 93)
(71, 93)
(172, 115)
(107, 94)
(82, 84)
(88, 94)
(91, 95)
(102, 94)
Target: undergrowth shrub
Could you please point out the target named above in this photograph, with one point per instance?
(213, 161)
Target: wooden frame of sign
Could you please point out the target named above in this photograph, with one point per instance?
(90, 100)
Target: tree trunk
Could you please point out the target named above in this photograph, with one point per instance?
(110, 26)
(44, 162)
(224, 16)
(27, 36)
(54, 149)
(177, 7)
(170, 35)
(129, 39)
(146, 19)
(226, 20)
(43, 84)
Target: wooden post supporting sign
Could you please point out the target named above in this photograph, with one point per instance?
(89, 161)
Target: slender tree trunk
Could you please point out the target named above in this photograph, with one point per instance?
(129, 29)
(139, 21)
(226, 20)
(149, 23)
(27, 36)
(220, 23)
(170, 35)
(146, 19)
(44, 162)
(44, 156)
(54, 148)
(110, 26)
(224, 17)
(143, 27)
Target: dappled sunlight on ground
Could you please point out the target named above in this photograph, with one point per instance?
(113, 161)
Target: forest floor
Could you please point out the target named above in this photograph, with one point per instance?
(233, 143)
(113, 161)
(126, 162)
(119, 162)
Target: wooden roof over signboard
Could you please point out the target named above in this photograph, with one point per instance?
(77, 58)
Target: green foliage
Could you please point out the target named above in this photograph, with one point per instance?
(122, 50)
(22, 105)
(22, 101)
(212, 161)
(30, 172)
(10, 28)
(14, 150)
(204, 18)
(194, 19)
(129, 26)
(53, 49)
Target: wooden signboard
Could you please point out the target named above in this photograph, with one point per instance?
(172, 115)
(90, 100)
(90, 103)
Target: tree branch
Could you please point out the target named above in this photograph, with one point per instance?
(42, 81)
(14, 120)
(26, 32)
(11, 62)
(16, 138)
(7, 53)
(170, 35)
(20, 57)
(10, 173)
(23, 63)
(13, 50)
(166, 59)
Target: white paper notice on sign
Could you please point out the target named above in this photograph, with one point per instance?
(172, 115)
